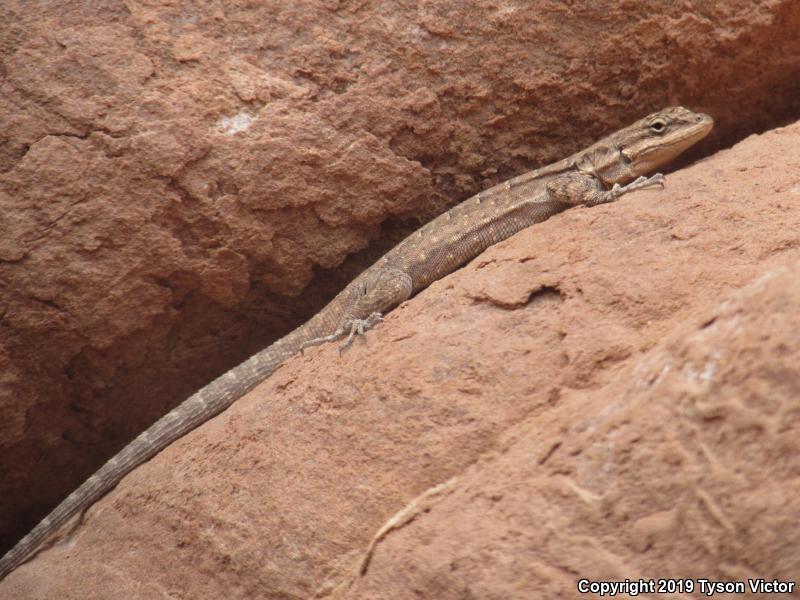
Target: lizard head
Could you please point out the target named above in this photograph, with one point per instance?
(660, 137)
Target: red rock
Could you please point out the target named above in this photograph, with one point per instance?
(609, 394)
(181, 185)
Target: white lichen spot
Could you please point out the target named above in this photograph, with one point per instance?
(759, 283)
(703, 375)
(418, 33)
(662, 374)
(234, 124)
(707, 374)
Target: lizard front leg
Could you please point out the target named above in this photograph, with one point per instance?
(582, 188)
(373, 293)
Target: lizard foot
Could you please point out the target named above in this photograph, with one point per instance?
(349, 326)
(638, 184)
(359, 326)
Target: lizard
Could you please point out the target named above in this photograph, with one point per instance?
(612, 167)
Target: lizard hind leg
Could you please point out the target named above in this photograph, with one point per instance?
(373, 293)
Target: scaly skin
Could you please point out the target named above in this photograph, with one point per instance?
(601, 173)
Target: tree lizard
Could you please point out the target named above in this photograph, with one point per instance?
(616, 165)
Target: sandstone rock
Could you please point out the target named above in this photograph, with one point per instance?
(609, 394)
(181, 184)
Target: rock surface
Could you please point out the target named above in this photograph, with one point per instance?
(180, 184)
(610, 394)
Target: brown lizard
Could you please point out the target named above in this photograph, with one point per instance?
(616, 165)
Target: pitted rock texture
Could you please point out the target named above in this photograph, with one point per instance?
(181, 183)
(612, 393)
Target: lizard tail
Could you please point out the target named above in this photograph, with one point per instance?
(198, 408)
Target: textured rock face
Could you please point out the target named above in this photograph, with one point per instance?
(179, 185)
(610, 394)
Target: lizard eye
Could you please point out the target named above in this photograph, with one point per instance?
(658, 126)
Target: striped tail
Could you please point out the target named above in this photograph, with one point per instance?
(195, 410)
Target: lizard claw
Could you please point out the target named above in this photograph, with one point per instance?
(351, 327)
(321, 340)
(645, 182)
(639, 183)
(358, 327)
